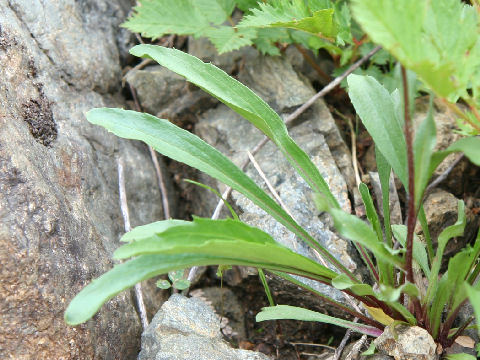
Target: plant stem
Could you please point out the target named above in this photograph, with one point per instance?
(411, 211)
(449, 322)
(312, 63)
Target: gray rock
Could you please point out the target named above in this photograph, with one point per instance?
(178, 101)
(59, 211)
(407, 343)
(188, 329)
(276, 82)
(225, 304)
(441, 210)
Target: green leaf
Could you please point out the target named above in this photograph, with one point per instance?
(355, 229)
(425, 140)
(451, 288)
(474, 297)
(283, 312)
(163, 284)
(370, 209)
(287, 14)
(419, 252)
(384, 170)
(370, 351)
(181, 284)
(154, 18)
(376, 108)
(179, 246)
(242, 100)
(222, 238)
(247, 5)
(226, 39)
(436, 39)
(175, 275)
(462, 356)
(443, 239)
(470, 146)
(342, 282)
(185, 147)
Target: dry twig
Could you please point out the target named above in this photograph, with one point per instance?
(126, 220)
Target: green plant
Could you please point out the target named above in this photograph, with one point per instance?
(177, 281)
(399, 273)
(268, 25)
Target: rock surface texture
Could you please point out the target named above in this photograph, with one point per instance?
(407, 343)
(188, 329)
(59, 214)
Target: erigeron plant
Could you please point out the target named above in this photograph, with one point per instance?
(408, 286)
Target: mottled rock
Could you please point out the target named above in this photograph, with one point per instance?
(178, 101)
(60, 218)
(441, 210)
(407, 343)
(225, 304)
(186, 329)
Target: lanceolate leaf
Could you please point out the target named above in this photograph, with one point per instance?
(474, 296)
(376, 108)
(443, 239)
(223, 238)
(419, 252)
(242, 100)
(425, 139)
(174, 245)
(284, 312)
(355, 229)
(470, 146)
(183, 146)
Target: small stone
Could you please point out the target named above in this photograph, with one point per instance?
(187, 328)
(407, 343)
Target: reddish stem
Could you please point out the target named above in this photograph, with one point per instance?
(411, 211)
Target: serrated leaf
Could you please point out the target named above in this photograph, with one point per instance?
(288, 14)
(284, 312)
(376, 109)
(154, 18)
(226, 39)
(433, 38)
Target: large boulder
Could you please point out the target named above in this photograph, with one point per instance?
(60, 219)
